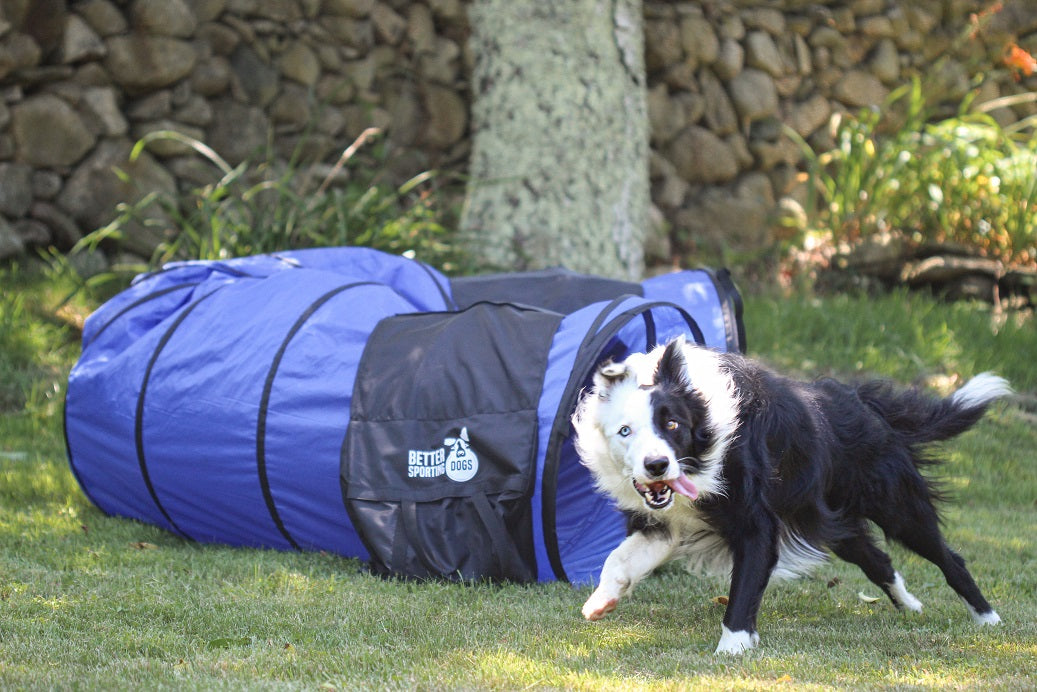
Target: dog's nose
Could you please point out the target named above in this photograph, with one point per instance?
(656, 466)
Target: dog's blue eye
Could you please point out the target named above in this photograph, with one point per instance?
(672, 425)
(624, 431)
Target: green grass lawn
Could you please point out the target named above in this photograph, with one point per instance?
(96, 602)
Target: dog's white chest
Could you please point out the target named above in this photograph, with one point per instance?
(706, 552)
(699, 545)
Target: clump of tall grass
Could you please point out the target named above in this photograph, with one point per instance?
(268, 206)
(964, 180)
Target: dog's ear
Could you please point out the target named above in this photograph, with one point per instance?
(610, 373)
(673, 369)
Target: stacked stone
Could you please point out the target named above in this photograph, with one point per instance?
(726, 78)
(80, 82)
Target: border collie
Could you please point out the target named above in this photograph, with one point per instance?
(742, 472)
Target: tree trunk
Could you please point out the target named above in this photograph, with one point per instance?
(559, 165)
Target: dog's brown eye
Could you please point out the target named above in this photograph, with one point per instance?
(672, 425)
(624, 431)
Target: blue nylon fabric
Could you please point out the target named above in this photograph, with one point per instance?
(316, 410)
(423, 287)
(110, 315)
(201, 407)
(560, 363)
(203, 403)
(693, 290)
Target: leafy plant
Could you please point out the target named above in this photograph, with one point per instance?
(257, 208)
(964, 179)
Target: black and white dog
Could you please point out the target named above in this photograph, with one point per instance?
(740, 471)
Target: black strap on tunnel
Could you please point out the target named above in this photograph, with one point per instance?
(135, 304)
(407, 536)
(732, 306)
(592, 330)
(138, 424)
(141, 301)
(448, 300)
(590, 349)
(264, 404)
(504, 547)
(651, 338)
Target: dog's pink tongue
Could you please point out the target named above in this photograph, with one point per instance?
(684, 487)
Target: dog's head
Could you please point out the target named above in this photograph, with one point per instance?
(658, 425)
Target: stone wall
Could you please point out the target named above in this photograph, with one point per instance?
(81, 81)
(727, 76)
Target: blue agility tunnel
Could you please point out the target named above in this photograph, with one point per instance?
(364, 404)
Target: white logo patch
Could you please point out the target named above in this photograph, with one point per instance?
(456, 459)
(461, 463)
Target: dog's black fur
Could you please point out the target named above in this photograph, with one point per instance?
(809, 464)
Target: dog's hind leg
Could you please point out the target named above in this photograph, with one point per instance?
(632, 560)
(861, 550)
(924, 538)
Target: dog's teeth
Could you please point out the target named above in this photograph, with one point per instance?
(656, 495)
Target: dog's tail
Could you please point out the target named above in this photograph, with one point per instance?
(920, 419)
(981, 390)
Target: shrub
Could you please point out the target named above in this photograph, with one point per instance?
(271, 206)
(964, 179)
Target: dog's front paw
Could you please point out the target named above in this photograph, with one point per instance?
(735, 643)
(599, 605)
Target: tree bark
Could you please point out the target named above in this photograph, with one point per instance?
(559, 164)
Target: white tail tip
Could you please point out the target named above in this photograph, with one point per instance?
(981, 390)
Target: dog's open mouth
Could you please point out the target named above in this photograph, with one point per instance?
(659, 495)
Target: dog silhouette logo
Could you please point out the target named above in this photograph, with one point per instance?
(456, 459)
(461, 462)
